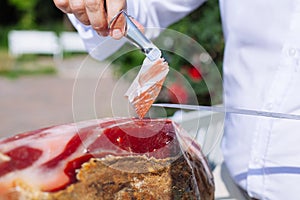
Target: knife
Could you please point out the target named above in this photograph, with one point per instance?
(222, 109)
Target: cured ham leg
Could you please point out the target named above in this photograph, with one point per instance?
(77, 161)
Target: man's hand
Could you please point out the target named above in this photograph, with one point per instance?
(97, 13)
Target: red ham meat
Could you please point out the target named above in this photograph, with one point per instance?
(46, 163)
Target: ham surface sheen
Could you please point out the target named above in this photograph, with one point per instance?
(47, 159)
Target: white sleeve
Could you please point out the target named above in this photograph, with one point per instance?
(160, 13)
(150, 13)
(98, 47)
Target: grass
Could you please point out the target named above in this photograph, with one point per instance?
(26, 65)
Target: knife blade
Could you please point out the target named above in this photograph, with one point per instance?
(222, 109)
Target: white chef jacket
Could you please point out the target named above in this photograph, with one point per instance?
(261, 71)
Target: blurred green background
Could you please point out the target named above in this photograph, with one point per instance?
(28, 15)
(203, 25)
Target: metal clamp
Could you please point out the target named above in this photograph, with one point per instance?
(135, 36)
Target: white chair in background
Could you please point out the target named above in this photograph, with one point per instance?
(71, 42)
(22, 42)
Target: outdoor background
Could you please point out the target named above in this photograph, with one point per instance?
(37, 90)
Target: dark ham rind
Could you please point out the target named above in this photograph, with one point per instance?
(47, 160)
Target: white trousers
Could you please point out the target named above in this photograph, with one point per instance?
(225, 186)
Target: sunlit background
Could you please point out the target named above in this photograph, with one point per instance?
(40, 55)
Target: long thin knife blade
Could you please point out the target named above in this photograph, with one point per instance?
(223, 109)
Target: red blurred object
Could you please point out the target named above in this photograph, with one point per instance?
(194, 73)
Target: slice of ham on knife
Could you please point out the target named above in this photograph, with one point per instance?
(147, 85)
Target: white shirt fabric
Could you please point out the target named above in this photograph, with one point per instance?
(262, 72)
